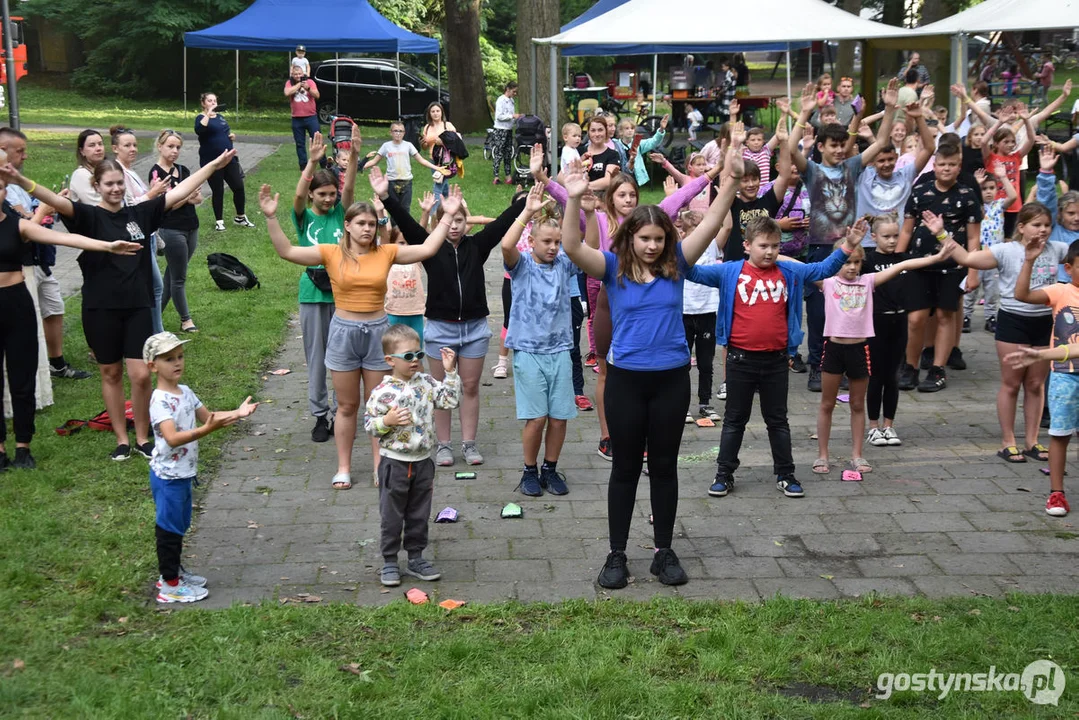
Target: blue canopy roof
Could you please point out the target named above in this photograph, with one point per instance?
(323, 25)
(605, 6)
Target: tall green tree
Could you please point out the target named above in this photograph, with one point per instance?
(468, 96)
(536, 18)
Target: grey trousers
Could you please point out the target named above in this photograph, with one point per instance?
(405, 492)
(315, 326)
(990, 289)
(179, 247)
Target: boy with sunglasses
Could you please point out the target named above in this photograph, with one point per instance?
(401, 413)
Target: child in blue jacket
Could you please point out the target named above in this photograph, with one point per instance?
(760, 323)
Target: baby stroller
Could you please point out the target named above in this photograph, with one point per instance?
(530, 131)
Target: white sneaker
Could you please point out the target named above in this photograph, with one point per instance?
(722, 394)
(242, 221)
(500, 371)
(185, 577)
(219, 226)
(891, 437)
(876, 437)
(181, 593)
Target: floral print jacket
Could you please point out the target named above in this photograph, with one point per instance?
(420, 396)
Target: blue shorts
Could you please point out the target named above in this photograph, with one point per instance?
(172, 503)
(356, 345)
(468, 338)
(543, 385)
(1063, 404)
(413, 321)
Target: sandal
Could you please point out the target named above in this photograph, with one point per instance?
(820, 466)
(860, 465)
(1011, 454)
(341, 481)
(1038, 452)
(192, 328)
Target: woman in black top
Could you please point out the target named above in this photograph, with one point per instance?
(215, 137)
(18, 321)
(180, 228)
(117, 292)
(457, 310)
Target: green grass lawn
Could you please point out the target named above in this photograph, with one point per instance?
(80, 636)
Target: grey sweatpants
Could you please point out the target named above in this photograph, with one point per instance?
(315, 326)
(405, 491)
(990, 289)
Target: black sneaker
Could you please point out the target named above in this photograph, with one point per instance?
(723, 484)
(121, 453)
(927, 358)
(530, 483)
(798, 365)
(790, 486)
(68, 372)
(966, 324)
(605, 449)
(4, 462)
(814, 379)
(908, 377)
(935, 380)
(667, 569)
(991, 325)
(615, 574)
(146, 449)
(23, 459)
(553, 481)
(956, 361)
(321, 432)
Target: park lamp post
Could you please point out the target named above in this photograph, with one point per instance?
(9, 62)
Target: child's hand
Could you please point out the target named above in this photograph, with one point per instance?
(536, 160)
(449, 359)
(734, 108)
(574, 179)
(1000, 172)
(809, 98)
(959, 91)
(914, 110)
(427, 202)
(1023, 357)
(534, 201)
(933, 221)
(246, 408)
(657, 158)
(855, 234)
(1067, 89)
(781, 132)
(268, 201)
(379, 184)
(376, 203)
(1048, 158)
(589, 202)
(123, 247)
(670, 187)
(663, 123)
(784, 105)
(356, 139)
(396, 417)
(738, 133)
(891, 93)
(216, 421)
(979, 175)
(864, 130)
(317, 148)
(1033, 249)
(452, 202)
(946, 249)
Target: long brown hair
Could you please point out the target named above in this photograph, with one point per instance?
(629, 265)
(355, 210)
(81, 143)
(617, 181)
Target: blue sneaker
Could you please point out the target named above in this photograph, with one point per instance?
(722, 485)
(530, 483)
(553, 481)
(790, 486)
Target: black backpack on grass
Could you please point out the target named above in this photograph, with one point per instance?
(231, 274)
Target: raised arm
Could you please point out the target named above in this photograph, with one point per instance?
(809, 102)
(348, 189)
(783, 164)
(492, 233)
(884, 134)
(179, 194)
(1028, 143)
(414, 233)
(661, 159)
(1047, 180)
(974, 259)
(928, 141)
(306, 256)
(1002, 181)
(961, 92)
(588, 259)
(510, 254)
(419, 253)
(1042, 115)
(1023, 293)
(694, 245)
(316, 150)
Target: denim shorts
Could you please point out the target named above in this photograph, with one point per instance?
(172, 503)
(356, 345)
(1063, 404)
(543, 385)
(468, 338)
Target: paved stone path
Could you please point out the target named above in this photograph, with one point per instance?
(939, 516)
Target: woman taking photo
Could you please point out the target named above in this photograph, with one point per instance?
(180, 228)
(117, 291)
(430, 139)
(215, 137)
(18, 321)
(89, 151)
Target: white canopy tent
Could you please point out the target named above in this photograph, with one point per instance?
(718, 21)
(1007, 16)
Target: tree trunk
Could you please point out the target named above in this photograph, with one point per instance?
(468, 95)
(936, 61)
(536, 18)
(845, 56)
(889, 61)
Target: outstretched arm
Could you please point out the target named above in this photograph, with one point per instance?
(32, 232)
(809, 103)
(696, 243)
(533, 203)
(179, 194)
(589, 259)
(946, 249)
(884, 135)
(306, 256)
(1042, 115)
(418, 253)
(11, 176)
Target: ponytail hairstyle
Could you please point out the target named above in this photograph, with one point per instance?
(107, 165)
(165, 135)
(631, 266)
(1028, 213)
(878, 221)
(118, 131)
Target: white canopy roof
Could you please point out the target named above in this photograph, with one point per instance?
(1008, 15)
(725, 21)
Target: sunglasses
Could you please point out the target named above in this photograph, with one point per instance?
(410, 356)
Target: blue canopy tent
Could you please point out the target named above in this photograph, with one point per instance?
(346, 26)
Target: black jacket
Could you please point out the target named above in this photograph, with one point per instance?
(456, 288)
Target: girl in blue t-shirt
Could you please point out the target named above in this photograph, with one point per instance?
(647, 392)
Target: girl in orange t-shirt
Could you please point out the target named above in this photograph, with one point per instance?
(358, 269)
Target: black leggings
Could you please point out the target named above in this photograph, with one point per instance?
(702, 330)
(887, 349)
(645, 410)
(576, 311)
(18, 350)
(232, 174)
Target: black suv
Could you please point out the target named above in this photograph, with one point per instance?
(368, 89)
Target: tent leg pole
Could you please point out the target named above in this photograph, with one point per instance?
(655, 80)
(237, 84)
(336, 85)
(553, 64)
(398, 54)
(809, 77)
(535, 87)
(787, 120)
(959, 70)
(185, 80)
(438, 69)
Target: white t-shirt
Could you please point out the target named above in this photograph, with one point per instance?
(701, 299)
(303, 64)
(398, 159)
(568, 155)
(695, 118)
(170, 463)
(877, 196)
